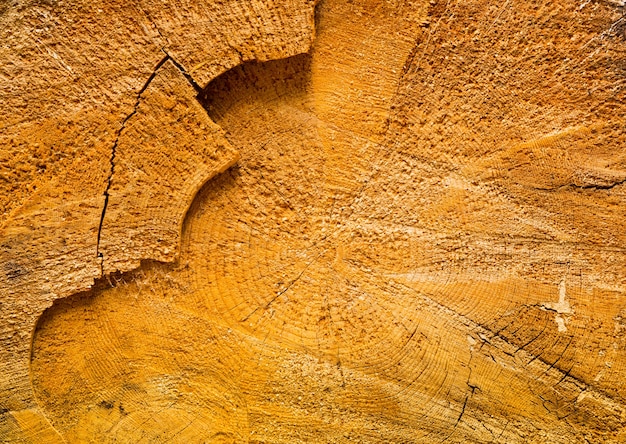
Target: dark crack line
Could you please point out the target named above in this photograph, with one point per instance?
(473, 389)
(466, 321)
(180, 67)
(566, 374)
(583, 187)
(527, 343)
(553, 365)
(458, 420)
(502, 432)
(238, 52)
(184, 72)
(462, 410)
(145, 86)
(600, 187)
(284, 290)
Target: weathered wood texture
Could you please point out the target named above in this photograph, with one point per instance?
(97, 112)
(420, 237)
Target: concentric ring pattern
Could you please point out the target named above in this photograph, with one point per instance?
(420, 243)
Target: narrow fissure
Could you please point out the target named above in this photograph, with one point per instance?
(601, 187)
(182, 70)
(106, 193)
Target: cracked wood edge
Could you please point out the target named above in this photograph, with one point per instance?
(465, 404)
(144, 209)
(49, 242)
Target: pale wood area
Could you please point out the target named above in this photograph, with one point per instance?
(281, 222)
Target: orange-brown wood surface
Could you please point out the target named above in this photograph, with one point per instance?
(294, 222)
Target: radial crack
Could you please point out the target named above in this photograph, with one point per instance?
(183, 71)
(469, 322)
(106, 193)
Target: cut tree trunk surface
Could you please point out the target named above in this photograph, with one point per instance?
(281, 222)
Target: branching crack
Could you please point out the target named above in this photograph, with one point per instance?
(496, 334)
(183, 71)
(106, 193)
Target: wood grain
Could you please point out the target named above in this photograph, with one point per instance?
(419, 238)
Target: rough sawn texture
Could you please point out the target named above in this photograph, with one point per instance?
(80, 81)
(417, 235)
